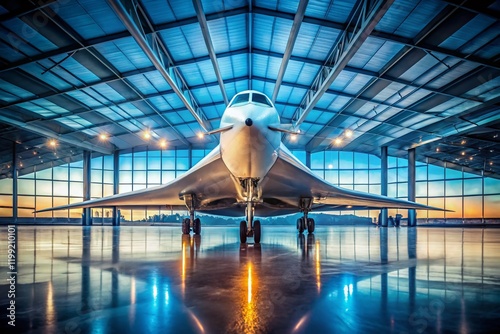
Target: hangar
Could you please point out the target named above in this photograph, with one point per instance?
(392, 97)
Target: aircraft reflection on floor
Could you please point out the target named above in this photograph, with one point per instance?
(361, 279)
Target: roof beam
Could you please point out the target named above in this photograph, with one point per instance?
(364, 20)
(396, 65)
(242, 10)
(477, 7)
(433, 48)
(42, 131)
(131, 14)
(384, 36)
(96, 63)
(210, 47)
(297, 21)
(23, 8)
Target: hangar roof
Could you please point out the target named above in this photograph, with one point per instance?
(353, 75)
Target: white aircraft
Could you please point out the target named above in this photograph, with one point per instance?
(249, 173)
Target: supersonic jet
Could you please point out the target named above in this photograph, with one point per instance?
(250, 173)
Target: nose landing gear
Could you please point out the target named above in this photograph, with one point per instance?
(250, 228)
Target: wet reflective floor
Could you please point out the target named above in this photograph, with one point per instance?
(339, 280)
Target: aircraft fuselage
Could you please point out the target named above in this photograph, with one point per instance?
(249, 149)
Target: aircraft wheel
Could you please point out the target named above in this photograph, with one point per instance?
(310, 225)
(301, 225)
(197, 226)
(243, 231)
(256, 231)
(185, 226)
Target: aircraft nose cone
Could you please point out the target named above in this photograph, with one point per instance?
(248, 122)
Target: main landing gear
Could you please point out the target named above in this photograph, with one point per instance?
(190, 223)
(305, 222)
(250, 228)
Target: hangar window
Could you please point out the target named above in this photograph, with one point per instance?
(240, 100)
(262, 99)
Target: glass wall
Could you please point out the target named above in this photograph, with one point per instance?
(469, 196)
(46, 188)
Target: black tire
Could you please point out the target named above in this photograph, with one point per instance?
(197, 226)
(243, 231)
(256, 231)
(301, 225)
(310, 225)
(185, 226)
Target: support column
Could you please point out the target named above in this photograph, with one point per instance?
(383, 184)
(86, 218)
(14, 183)
(308, 159)
(116, 184)
(412, 213)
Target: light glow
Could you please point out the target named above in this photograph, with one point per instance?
(201, 135)
(338, 141)
(348, 133)
(103, 136)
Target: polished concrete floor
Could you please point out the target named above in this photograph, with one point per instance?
(339, 280)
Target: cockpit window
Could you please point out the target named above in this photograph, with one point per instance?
(262, 99)
(240, 99)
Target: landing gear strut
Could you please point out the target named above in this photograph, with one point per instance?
(305, 222)
(250, 228)
(190, 223)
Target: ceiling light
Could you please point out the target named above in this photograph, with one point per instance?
(163, 143)
(437, 149)
(201, 135)
(348, 133)
(53, 142)
(293, 137)
(338, 141)
(471, 158)
(147, 135)
(35, 152)
(103, 136)
(463, 142)
(491, 163)
(463, 153)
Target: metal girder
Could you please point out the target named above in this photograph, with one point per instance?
(52, 134)
(26, 10)
(492, 116)
(365, 18)
(110, 38)
(133, 17)
(210, 47)
(475, 7)
(433, 48)
(297, 21)
(431, 26)
(384, 36)
(238, 11)
(101, 61)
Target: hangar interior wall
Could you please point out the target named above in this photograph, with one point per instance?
(472, 197)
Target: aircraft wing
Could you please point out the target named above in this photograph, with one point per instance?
(209, 180)
(289, 180)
